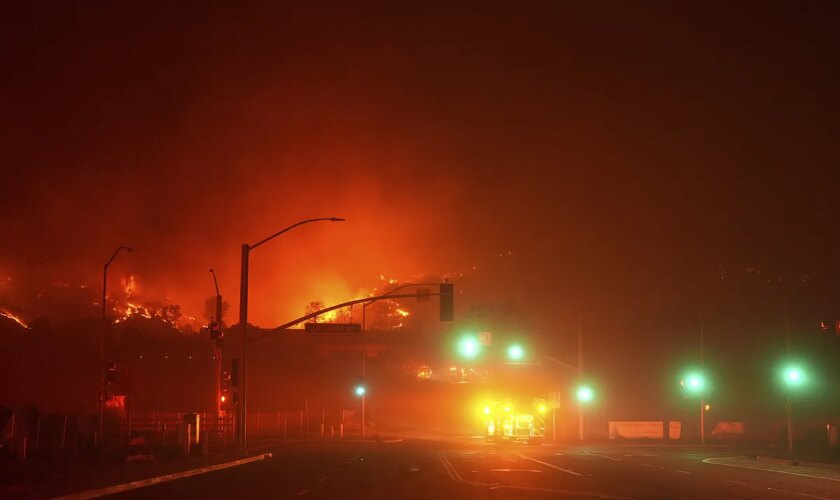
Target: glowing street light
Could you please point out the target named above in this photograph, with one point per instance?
(360, 391)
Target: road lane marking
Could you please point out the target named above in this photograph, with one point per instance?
(453, 474)
(603, 456)
(119, 488)
(323, 479)
(303, 492)
(413, 469)
(814, 496)
(736, 482)
(684, 472)
(717, 461)
(567, 471)
(450, 469)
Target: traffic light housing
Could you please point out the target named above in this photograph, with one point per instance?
(217, 335)
(447, 302)
(225, 381)
(110, 372)
(234, 372)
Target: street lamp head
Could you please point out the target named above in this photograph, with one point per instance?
(337, 219)
(129, 249)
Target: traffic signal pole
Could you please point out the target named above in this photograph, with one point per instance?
(217, 351)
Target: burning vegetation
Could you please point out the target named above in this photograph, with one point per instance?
(130, 304)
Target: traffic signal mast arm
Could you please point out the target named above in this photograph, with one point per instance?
(562, 363)
(350, 303)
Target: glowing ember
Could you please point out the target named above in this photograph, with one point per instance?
(16, 319)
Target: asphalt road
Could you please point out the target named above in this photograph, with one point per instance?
(418, 469)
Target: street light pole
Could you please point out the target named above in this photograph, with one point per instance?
(243, 321)
(702, 367)
(580, 374)
(105, 326)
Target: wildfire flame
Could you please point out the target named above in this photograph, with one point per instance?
(129, 286)
(15, 318)
(133, 307)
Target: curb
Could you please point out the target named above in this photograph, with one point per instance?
(119, 488)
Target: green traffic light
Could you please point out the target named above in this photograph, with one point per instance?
(516, 352)
(585, 394)
(469, 347)
(794, 376)
(694, 382)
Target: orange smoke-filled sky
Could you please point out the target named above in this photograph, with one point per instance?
(614, 155)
